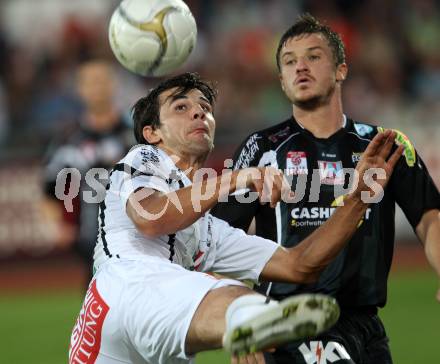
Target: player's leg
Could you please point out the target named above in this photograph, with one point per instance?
(248, 322)
(377, 351)
(158, 312)
(358, 337)
(208, 323)
(96, 336)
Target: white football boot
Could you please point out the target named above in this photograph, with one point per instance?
(253, 323)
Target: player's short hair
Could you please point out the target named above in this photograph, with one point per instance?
(307, 24)
(146, 111)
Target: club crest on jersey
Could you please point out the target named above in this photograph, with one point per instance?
(296, 163)
(331, 173)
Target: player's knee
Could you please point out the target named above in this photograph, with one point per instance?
(208, 323)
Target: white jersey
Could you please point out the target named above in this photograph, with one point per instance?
(194, 247)
(141, 301)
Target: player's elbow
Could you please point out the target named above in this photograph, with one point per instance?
(147, 227)
(150, 230)
(300, 275)
(301, 270)
(150, 225)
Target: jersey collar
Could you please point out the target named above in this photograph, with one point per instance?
(345, 126)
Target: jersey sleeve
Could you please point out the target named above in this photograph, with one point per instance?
(144, 167)
(236, 213)
(239, 255)
(413, 188)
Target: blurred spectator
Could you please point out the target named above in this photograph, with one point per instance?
(394, 54)
(4, 117)
(99, 138)
(393, 51)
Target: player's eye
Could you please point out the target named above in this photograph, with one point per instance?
(206, 107)
(289, 62)
(314, 57)
(180, 107)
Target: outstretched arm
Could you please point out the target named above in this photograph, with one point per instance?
(428, 231)
(304, 262)
(155, 213)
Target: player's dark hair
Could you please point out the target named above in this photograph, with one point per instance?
(146, 111)
(307, 24)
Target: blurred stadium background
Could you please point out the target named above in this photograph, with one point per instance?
(394, 61)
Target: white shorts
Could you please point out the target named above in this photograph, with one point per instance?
(139, 311)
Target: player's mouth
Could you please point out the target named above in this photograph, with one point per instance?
(200, 130)
(302, 80)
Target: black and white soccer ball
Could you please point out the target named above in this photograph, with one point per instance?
(152, 37)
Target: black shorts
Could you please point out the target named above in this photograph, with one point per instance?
(359, 337)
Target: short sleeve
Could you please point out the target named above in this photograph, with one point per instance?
(412, 186)
(144, 167)
(239, 255)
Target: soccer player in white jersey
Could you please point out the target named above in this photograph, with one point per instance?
(149, 300)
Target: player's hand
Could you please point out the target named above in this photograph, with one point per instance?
(376, 164)
(438, 295)
(256, 358)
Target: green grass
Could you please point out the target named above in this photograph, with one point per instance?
(412, 318)
(36, 328)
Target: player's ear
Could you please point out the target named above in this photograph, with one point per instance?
(151, 134)
(341, 72)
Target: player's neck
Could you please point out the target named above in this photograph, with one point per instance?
(190, 164)
(185, 162)
(323, 121)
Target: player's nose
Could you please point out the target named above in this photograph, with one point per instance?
(198, 113)
(301, 65)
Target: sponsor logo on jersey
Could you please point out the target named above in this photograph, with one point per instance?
(279, 135)
(331, 173)
(409, 152)
(86, 336)
(296, 163)
(248, 152)
(150, 155)
(363, 129)
(328, 155)
(320, 353)
(316, 216)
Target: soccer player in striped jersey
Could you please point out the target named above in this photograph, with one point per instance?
(151, 299)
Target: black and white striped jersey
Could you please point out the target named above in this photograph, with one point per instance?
(143, 167)
(209, 244)
(358, 276)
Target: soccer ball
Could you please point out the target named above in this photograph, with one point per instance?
(152, 37)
